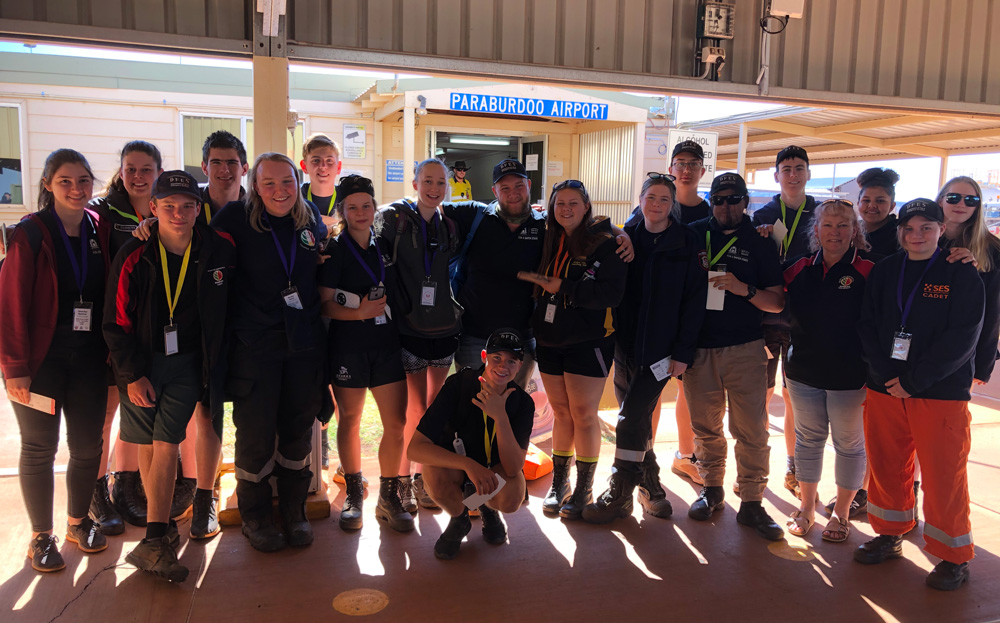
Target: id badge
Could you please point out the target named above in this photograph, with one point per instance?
(380, 319)
(291, 296)
(901, 345)
(428, 293)
(83, 313)
(170, 340)
(661, 369)
(550, 313)
(459, 445)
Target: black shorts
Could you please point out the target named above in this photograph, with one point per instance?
(178, 385)
(419, 353)
(591, 358)
(777, 339)
(367, 368)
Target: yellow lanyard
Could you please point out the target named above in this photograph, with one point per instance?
(488, 441)
(208, 213)
(791, 232)
(172, 300)
(329, 208)
(708, 247)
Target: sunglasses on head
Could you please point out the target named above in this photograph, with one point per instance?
(971, 201)
(574, 184)
(653, 175)
(840, 201)
(731, 199)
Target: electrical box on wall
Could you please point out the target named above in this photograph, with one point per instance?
(716, 20)
(788, 8)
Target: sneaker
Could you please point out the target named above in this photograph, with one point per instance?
(753, 514)
(947, 576)
(494, 531)
(450, 541)
(406, 494)
(736, 488)
(420, 493)
(184, 490)
(859, 505)
(338, 477)
(687, 468)
(879, 549)
(792, 484)
(43, 552)
(87, 536)
(204, 517)
(156, 556)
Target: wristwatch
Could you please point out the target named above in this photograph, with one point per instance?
(751, 292)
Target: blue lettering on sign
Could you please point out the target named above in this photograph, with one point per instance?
(394, 170)
(527, 107)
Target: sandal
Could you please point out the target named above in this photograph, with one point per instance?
(837, 530)
(798, 525)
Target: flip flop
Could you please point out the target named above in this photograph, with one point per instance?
(837, 530)
(798, 525)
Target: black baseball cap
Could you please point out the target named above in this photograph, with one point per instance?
(792, 151)
(729, 181)
(354, 184)
(508, 167)
(507, 340)
(176, 183)
(688, 147)
(460, 165)
(926, 208)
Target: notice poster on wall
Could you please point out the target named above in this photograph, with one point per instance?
(554, 167)
(355, 138)
(531, 162)
(394, 170)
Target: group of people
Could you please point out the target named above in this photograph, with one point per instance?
(292, 289)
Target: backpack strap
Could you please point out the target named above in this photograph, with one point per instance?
(402, 223)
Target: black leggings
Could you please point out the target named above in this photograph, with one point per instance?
(77, 380)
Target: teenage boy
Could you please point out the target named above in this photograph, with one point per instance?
(164, 325)
(321, 162)
(793, 207)
(475, 433)
(459, 188)
(729, 364)
(224, 162)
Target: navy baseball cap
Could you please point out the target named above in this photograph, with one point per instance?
(792, 151)
(176, 183)
(508, 167)
(926, 208)
(355, 184)
(729, 181)
(507, 340)
(688, 147)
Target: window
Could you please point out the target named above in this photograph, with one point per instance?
(196, 129)
(11, 184)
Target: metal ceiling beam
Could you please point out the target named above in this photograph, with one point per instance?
(872, 124)
(756, 138)
(846, 137)
(943, 137)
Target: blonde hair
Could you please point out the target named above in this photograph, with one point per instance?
(317, 140)
(974, 235)
(843, 209)
(300, 213)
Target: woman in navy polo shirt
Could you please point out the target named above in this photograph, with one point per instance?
(825, 370)
(358, 289)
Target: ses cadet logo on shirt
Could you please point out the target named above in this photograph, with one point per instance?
(307, 238)
(932, 291)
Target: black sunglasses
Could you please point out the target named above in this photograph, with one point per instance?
(971, 201)
(731, 199)
(574, 184)
(653, 175)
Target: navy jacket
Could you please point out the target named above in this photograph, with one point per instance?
(771, 213)
(883, 240)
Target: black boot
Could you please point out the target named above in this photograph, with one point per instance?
(616, 502)
(559, 492)
(881, 548)
(183, 497)
(752, 514)
(652, 497)
(204, 515)
(389, 509)
(583, 493)
(263, 535)
(129, 499)
(298, 530)
(293, 489)
(350, 514)
(103, 511)
(709, 501)
(450, 541)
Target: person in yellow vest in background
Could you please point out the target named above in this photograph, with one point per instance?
(460, 188)
(321, 161)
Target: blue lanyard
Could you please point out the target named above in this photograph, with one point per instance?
(79, 268)
(899, 288)
(423, 232)
(357, 255)
(281, 252)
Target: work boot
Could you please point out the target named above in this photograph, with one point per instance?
(423, 498)
(406, 495)
(881, 548)
(559, 492)
(583, 493)
(173, 535)
(263, 535)
(184, 490)
(616, 502)
(753, 514)
(350, 514)
(652, 497)
(156, 556)
(450, 541)
(947, 576)
(129, 498)
(298, 530)
(389, 509)
(87, 536)
(709, 501)
(494, 531)
(204, 515)
(103, 511)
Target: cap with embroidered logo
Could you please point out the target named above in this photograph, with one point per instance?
(688, 147)
(508, 167)
(176, 183)
(926, 208)
(729, 181)
(507, 340)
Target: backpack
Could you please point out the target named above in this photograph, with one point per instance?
(403, 226)
(458, 272)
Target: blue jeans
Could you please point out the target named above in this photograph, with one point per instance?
(841, 413)
(470, 355)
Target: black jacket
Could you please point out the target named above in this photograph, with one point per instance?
(883, 240)
(945, 321)
(986, 349)
(674, 291)
(136, 278)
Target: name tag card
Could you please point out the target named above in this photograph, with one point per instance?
(83, 314)
(291, 296)
(428, 293)
(716, 299)
(901, 345)
(661, 369)
(550, 313)
(170, 340)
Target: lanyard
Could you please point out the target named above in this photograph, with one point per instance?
(172, 300)
(423, 232)
(208, 213)
(708, 247)
(899, 288)
(381, 265)
(791, 232)
(564, 265)
(488, 440)
(79, 268)
(281, 252)
(329, 208)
